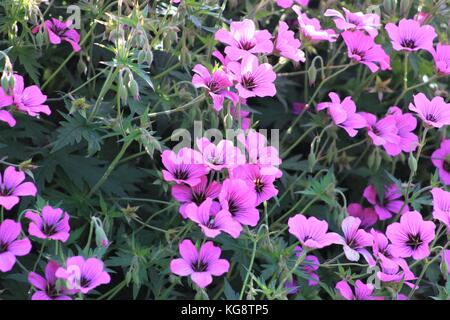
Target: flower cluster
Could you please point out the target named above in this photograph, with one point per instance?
(219, 205)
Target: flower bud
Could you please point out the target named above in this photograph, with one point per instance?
(100, 236)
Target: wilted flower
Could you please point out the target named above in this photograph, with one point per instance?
(368, 216)
(311, 232)
(388, 206)
(442, 58)
(441, 206)
(311, 28)
(369, 22)
(287, 45)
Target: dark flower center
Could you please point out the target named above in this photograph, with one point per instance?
(358, 53)
(200, 266)
(84, 283)
(446, 164)
(414, 241)
(409, 43)
(232, 207)
(181, 174)
(246, 45)
(198, 197)
(3, 247)
(48, 230)
(214, 86)
(248, 81)
(431, 117)
(5, 191)
(259, 185)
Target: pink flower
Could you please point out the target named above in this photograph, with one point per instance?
(12, 187)
(355, 21)
(237, 198)
(311, 232)
(60, 31)
(309, 267)
(200, 266)
(393, 269)
(287, 45)
(311, 28)
(389, 205)
(383, 132)
(411, 236)
(289, 3)
(10, 246)
(410, 36)
(363, 49)
(261, 184)
(355, 240)
(29, 100)
(216, 84)
(196, 194)
(244, 115)
(362, 291)
(441, 206)
(243, 38)
(83, 275)
(47, 287)
(406, 124)
(183, 167)
(50, 224)
(253, 79)
(220, 156)
(446, 259)
(343, 113)
(442, 58)
(441, 160)
(435, 113)
(260, 153)
(368, 216)
(212, 220)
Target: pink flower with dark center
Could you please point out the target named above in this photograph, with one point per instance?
(287, 45)
(212, 220)
(253, 79)
(389, 205)
(343, 113)
(50, 224)
(29, 100)
(186, 194)
(60, 31)
(355, 240)
(12, 187)
(368, 216)
(243, 38)
(362, 291)
(441, 58)
(435, 113)
(410, 35)
(311, 232)
(47, 288)
(10, 245)
(184, 167)
(220, 156)
(383, 132)
(393, 269)
(369, 22)
(260, 153)
(311, 28)
(216, 84)
(289, 3)
(237, 198)
(441, 206)
(363, 49)
(406, 124)
(262, 184)
(83, 275)
(441, 160)
(411, 236)
(200, 266)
